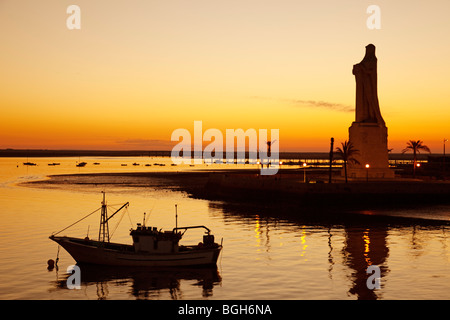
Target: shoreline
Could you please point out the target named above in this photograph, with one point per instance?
(47, 153)
(246, 185)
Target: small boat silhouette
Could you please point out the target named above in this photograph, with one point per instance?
(151, 247)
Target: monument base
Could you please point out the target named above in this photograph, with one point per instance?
(370, 139)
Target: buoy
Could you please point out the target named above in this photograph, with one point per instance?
(51, 264)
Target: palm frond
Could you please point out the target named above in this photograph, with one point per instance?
(416, 146)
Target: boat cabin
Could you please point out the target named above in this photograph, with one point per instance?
(149, 239)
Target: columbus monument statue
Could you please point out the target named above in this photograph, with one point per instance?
(368, 132)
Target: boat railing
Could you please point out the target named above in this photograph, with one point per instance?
(190, 227)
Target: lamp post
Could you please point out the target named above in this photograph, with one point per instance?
(331, 160)
(281, 162)
(304, 171)
(367, 172)
(443, 160)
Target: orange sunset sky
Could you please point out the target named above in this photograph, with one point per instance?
(138, 70)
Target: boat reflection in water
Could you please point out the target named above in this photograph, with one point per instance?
(145, 282)
(154, 262)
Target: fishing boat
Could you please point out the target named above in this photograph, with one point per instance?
(151, 247)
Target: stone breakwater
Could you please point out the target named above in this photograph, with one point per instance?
(292, 188)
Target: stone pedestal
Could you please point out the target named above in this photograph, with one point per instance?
(370, 139)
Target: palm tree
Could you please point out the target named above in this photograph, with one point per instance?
(269, 150)
(415, 146)
(346, 153)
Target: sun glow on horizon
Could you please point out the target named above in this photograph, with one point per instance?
(137, 71)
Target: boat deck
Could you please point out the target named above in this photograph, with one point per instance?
(125, 247)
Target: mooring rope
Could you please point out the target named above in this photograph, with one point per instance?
(115, 228)
(57, 258)
(54, 234)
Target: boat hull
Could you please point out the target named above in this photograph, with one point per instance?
(94, 252)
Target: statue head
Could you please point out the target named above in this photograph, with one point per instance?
(370, 50)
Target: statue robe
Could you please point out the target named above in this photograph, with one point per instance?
(367, 106)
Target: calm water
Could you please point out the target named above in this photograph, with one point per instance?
(264, 257)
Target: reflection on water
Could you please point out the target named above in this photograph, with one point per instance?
(353, 241)
(262, 233)
(303, 242)
(363, 248)
(270, 252)
(144, 283)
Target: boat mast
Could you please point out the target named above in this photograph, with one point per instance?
(103, 233)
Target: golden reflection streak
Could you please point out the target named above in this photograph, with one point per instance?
(366, 240)
(258, 231)
(303, 241)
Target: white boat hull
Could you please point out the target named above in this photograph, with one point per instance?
(94, 252)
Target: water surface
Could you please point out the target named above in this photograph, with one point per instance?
(269, 252)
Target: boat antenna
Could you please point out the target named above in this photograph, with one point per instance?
(150, 211)
(176, 216)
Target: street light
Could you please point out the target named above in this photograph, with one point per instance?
(304, 171)
(367, 172)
